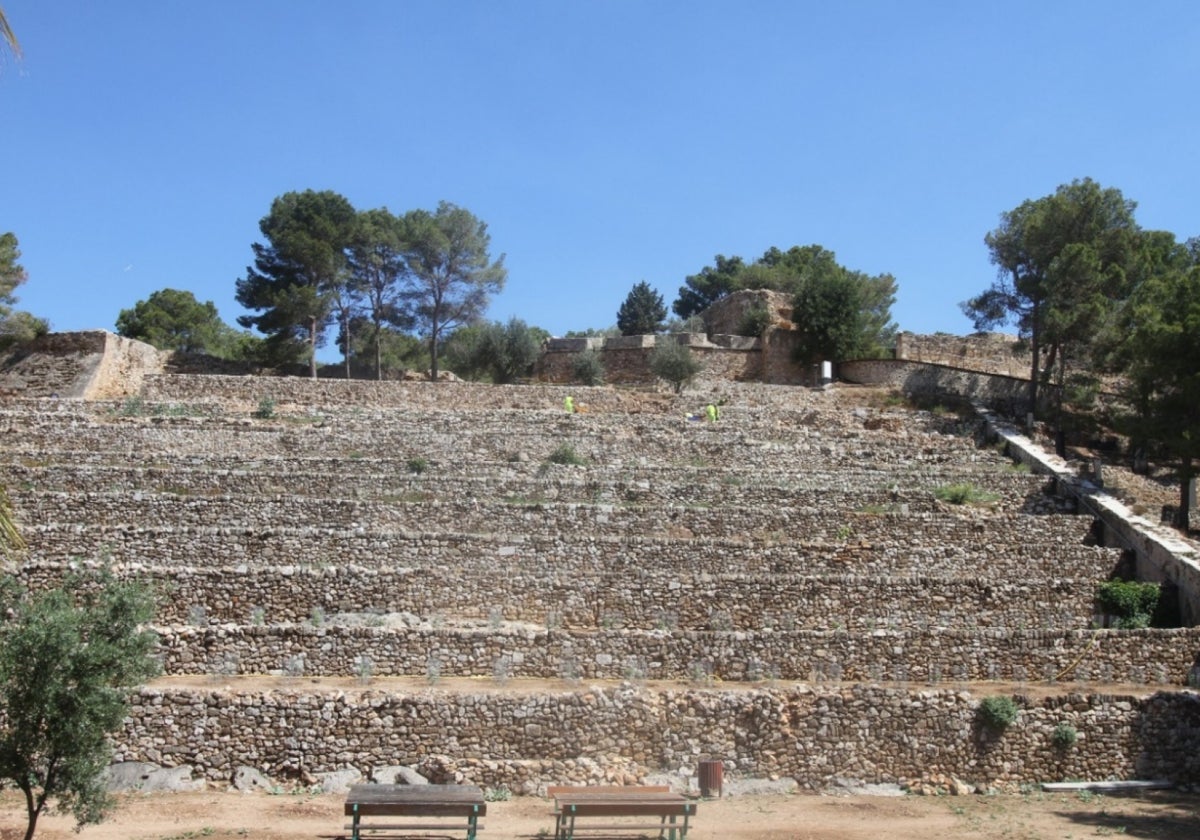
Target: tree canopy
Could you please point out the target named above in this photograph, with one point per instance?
(299, 277)
(1158, 339)
(642, 312)
(15, 327)
(502, 353)
(1062, 260)
(171, 319)
(839, 312)
(452, 277)
(378, 271)
(68, 659)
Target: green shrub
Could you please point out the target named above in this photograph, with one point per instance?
(416, 466)
(998, 713)
(588, 368)
(755, 322)
(266, 408)
(674, 362)
(1132, 603)
(565, 453)
(964, 494)
(1064, 736)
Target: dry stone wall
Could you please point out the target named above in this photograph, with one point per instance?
(630, 599)
(216, 547)
(815, 735)
(984, 352)
(1152, 657)
(796, 540)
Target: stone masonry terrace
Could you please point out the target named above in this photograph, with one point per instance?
(728, 585)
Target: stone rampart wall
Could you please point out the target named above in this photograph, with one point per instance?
(985, 352)
(1008, 393)
(814, 735)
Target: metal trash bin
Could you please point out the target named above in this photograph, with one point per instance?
(712, 776)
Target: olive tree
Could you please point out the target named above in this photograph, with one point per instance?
(69, 658)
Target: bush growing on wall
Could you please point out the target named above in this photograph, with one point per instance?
(1132, 603)
(998, 713)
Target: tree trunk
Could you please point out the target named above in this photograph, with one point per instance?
(33, 810)
(433, 351)
(312, 348)
(1186, 473)
(346, 341)
(1036, 372)
(378, 353)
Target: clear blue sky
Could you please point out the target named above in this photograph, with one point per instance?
(603, 143)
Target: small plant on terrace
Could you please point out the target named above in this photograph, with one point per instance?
(133, 407)
(497, 794)
(964, 494)
(416, 466)
(998, 713)
(566, 455)
(317, 617)
(433, 670)
(257, 616)
(266, 408)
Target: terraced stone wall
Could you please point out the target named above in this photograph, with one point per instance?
(1159, 657)
(814, 735)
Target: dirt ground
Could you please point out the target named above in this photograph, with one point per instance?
(1033, 816)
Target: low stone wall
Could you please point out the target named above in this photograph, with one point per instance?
(524, 741)
(1136, 656)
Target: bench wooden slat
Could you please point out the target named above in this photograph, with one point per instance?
(560, 790)
(413, 826)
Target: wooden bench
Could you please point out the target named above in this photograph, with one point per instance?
(460, 806)
(632, 801)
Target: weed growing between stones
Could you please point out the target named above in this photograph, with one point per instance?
(566, 455)
(433, 670)
(964, 494)
(266, 408)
